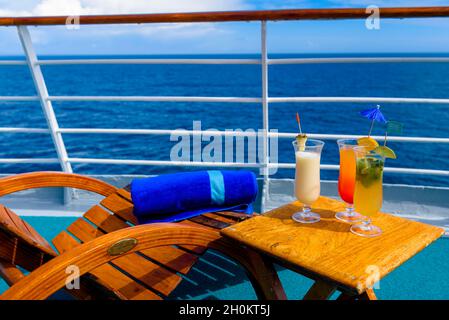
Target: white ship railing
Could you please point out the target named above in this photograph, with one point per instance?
(264, 100)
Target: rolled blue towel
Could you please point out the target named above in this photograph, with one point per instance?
(174, 197)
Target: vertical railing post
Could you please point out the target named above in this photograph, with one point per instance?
(265, 115)
(46, 105)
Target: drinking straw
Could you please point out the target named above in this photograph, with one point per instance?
(372, 123)
(299, 122)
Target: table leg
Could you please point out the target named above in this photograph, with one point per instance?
(346, 297)
(367, 295)
(320, 290)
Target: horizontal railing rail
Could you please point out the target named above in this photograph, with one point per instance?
(229, 16)
(149, 61)
(231, 99)
(157, 99)
(248, 99)
(18, 98)
(29, 160)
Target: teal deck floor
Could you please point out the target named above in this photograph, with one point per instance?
(425, 276)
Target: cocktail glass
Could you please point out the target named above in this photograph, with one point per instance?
(368, 190)
(346, 180)
(307, 178)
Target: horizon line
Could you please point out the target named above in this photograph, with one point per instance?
(234, 54)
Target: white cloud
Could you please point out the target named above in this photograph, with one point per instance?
(90, 7)
(86, 7)
(158, 31)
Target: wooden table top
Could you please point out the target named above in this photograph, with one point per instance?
(328, 250)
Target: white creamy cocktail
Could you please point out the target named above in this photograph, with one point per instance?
(307, 178)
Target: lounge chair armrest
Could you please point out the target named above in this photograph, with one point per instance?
(45, 179)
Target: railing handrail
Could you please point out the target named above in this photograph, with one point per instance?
(229, 99)
(228, 16)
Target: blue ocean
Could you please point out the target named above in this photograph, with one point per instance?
(413, 80)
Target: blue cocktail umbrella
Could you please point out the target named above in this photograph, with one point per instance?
(374, 114)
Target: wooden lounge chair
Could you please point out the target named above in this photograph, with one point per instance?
(98, 242)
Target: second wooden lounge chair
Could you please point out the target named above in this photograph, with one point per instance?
(148, 271)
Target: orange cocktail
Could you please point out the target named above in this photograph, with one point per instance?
(346, 179)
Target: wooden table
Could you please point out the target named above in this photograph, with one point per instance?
(328, 252)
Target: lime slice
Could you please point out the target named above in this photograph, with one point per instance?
(368, 142)
(385, 152)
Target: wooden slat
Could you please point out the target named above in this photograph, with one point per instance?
(125, 194)
(225, 16)
(194, 224)
(64, 242)
(121, 207)
(238, 216)
(150, 274)
(83, 230)
(175, 259)
(209, 222)
(104, 220)
(194, 249)
(217, 217)
(123, 284)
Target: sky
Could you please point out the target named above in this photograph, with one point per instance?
(349, 36)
